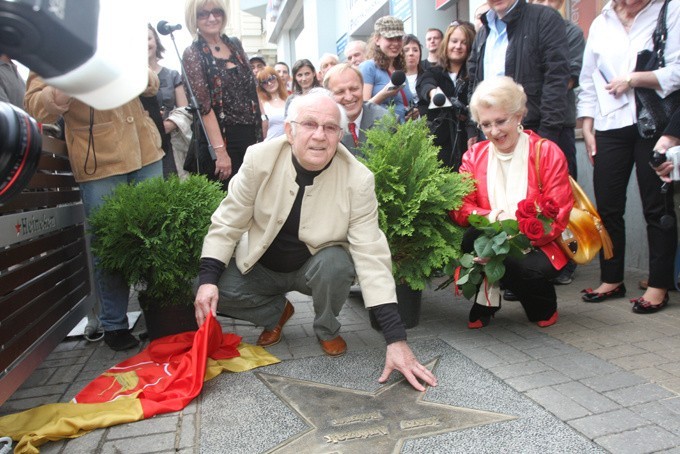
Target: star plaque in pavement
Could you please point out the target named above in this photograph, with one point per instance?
(343, 420)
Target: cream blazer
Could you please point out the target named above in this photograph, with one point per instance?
(340, 208)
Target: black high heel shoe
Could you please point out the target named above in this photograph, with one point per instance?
(594, 297)
(480, 316)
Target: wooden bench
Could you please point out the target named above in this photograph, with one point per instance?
(45, 271)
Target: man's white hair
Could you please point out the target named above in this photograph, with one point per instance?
(309, 97)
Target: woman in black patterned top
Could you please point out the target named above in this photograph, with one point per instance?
(225, 87)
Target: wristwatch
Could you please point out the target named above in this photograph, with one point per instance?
(629, 81)
(265, 118)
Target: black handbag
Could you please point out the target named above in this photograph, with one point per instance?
(198, 159)
(654, 112)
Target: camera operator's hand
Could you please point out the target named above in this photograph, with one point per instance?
(664, 170)
(666, 142)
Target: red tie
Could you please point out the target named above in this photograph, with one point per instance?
(353, 130)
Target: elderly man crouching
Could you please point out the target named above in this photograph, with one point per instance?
(302, 215)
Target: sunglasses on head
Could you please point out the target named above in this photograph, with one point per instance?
(204, 14)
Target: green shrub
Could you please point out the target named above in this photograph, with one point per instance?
(415, 194)
(151, 233)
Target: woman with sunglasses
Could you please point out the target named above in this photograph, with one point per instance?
(224, 84)
(272, 92)
(449, 77)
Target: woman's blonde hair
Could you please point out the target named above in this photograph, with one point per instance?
(501, 92)
(192, 7)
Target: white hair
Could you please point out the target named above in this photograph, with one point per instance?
(299, 101)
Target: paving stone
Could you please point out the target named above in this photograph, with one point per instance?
(539, 380)
(612, 381)
(642, 440)
(187, 432)
(595, 426)
(586, 397)
(638, 394)
(155, 425)
(88, 443)
(660, 414)
(642, 361)
(520, 369)
(64, 374)
(557, 403)
(154, 443)
(579, 365)
(617, 351)
(509, 353)
(654, 374)
(483, 357)
(550, 351)
(53, 447)
(27, 393)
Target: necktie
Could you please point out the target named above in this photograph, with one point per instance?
(353, 130)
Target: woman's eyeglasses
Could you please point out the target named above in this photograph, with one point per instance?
(218, 13)
(486, 126)
(268, 80)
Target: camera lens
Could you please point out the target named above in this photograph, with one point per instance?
(20, 146)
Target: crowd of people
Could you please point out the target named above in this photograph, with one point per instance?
(286, 137)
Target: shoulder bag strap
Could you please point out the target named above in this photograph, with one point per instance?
(537, 159)
(660, 34)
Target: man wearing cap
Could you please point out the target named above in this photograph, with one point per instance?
(387, 58)
(257, 63)
(346, 84)
(302, 215)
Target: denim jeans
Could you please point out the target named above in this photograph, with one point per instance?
(112, 291)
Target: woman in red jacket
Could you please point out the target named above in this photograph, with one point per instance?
(504, 167)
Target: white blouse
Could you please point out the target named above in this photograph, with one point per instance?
(614, 51)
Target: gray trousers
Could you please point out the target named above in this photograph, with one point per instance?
(260, 295)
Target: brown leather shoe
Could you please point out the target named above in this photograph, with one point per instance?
(273, 336)
(334, 347)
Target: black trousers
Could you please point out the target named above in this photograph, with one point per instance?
(528, 278)
(617, 151)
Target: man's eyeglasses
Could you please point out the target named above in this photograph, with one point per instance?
(268, 80)
(313, 126)
(218, 13)
(486, 126)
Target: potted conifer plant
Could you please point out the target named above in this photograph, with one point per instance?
(415, 194)
(151, 233)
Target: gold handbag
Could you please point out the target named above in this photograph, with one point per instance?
(585, 234)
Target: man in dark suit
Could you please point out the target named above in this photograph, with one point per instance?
(347, 84)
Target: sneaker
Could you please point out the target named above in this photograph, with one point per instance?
(566, 277)
(120, 339)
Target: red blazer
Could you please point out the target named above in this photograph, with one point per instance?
(555, 179)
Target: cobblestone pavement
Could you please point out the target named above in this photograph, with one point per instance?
(608, 373)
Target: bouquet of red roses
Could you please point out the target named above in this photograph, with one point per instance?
(496, 241)
(535, 217)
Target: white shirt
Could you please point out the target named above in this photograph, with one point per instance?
(609, 46)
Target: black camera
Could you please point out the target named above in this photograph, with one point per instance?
(657, 159)
(20, 147)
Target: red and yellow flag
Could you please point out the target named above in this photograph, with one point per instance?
(163, 378)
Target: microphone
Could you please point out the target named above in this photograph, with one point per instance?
(397, 80)
(165, 29)
(439, 100)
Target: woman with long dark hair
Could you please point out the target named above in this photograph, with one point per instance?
(449, 77)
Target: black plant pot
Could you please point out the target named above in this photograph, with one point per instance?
(165, 321)
(408, 305)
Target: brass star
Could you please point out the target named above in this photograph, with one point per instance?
(346, 420)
